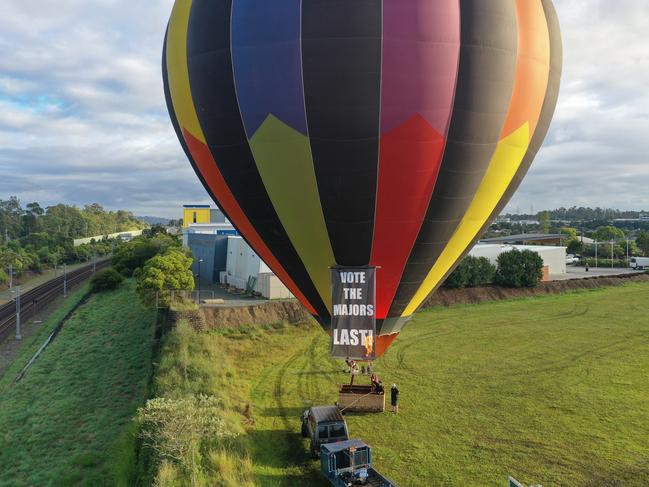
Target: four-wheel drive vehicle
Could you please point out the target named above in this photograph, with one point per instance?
(323, 424)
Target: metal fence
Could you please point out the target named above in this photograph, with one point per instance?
(164, 299)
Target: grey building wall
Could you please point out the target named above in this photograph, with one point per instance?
(217, 216)
(213, 250)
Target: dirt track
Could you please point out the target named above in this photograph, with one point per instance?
(292, 311)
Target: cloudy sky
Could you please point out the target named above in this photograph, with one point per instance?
(82, 114)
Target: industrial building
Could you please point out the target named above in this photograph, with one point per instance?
(245, 270)
(221, 256)
(554, 258)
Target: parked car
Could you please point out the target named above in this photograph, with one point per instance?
(572, 259)
(323, 424)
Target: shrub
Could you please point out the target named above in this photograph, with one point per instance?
(179, 430)
(603, 262)
(4, 278)
(459, 277)
(105, 280)
(472, 272)
(519, 268)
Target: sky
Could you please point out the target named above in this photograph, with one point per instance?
(83, 117)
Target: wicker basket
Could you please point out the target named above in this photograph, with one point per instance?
(360, 399)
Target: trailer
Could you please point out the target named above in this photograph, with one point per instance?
(349, 463)
(360, 399)
(640, 263)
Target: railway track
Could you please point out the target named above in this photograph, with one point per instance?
(35, 299)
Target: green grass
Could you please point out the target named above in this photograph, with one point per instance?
(67, 421)
(30, 345)
(551, 390)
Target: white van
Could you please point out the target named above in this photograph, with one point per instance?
(640, 263)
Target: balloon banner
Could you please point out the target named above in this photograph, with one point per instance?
(353, 315)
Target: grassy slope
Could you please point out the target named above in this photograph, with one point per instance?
(550, 390)
(61, 423)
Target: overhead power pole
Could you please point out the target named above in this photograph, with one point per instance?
(18, 330)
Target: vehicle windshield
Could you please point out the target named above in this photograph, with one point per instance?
(337, 431)
(323, 432)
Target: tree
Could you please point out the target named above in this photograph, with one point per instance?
(155, 229)
(31, 218)
(168, 271)
(608, 234)
(569, 232)
(11, 213)
(544, 222)
(519, 268)
(575, 246)
(642, 241)
(134, 254)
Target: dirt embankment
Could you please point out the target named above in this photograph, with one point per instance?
(293, 312)
(450, 297)
(260, 314)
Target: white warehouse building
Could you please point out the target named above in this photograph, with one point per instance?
(244, 268)
(554, 258)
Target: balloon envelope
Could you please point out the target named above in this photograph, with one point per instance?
(388, 133)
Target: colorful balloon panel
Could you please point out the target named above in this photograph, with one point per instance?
(382, 132)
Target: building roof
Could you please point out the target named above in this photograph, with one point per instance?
(324, 414)
(343, 445)
(506, 247)
(524, 237)
(196, 206)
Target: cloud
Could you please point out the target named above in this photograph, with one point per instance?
(82, 114)
(596, 151)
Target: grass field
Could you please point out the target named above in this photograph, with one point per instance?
(552, 390)
(63, 423)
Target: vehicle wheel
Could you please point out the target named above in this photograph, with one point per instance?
(305, 430)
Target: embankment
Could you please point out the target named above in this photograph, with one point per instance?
(292, 311)
(451, 297)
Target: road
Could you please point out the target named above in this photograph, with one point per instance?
(578, 272)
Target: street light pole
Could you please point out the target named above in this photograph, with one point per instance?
(200, 261)
(595, 253)
(611, 254)
(627, 252)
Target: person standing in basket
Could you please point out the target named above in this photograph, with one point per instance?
(394, 398)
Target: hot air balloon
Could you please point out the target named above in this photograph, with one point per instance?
(387, 133)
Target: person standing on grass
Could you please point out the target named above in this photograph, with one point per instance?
(394, 398)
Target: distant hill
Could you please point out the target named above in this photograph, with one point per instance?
(154, 220)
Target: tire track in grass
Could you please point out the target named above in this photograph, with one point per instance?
(403, 346)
